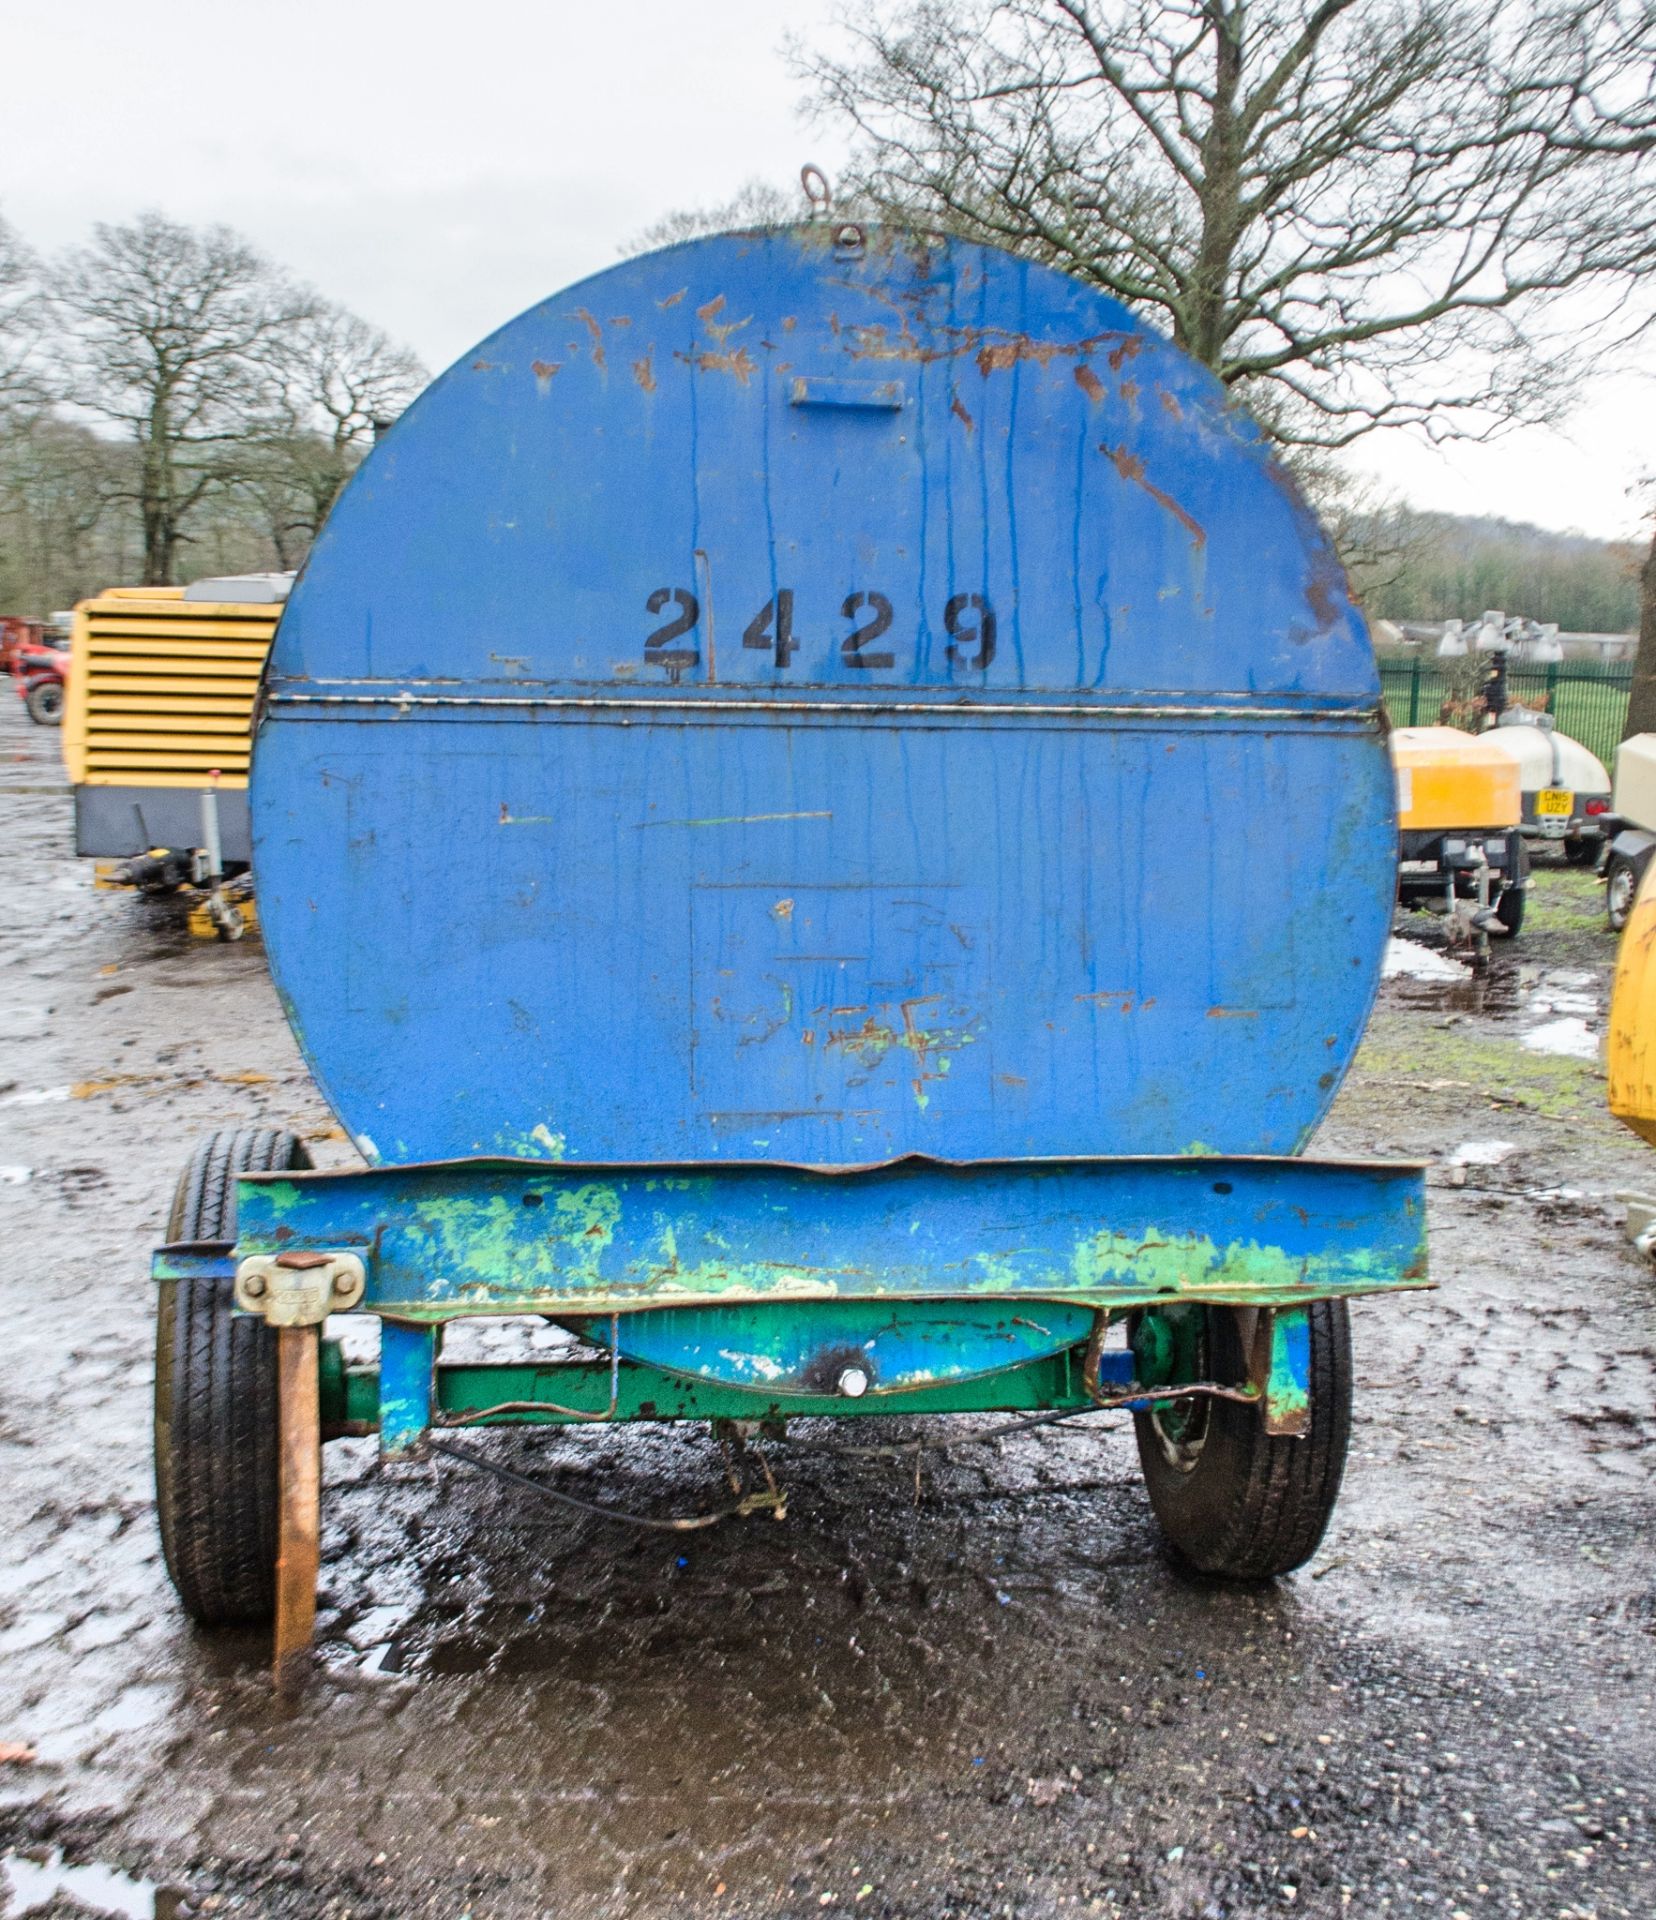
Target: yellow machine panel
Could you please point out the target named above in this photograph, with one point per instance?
(1447, 778)
(161, 688)
(1631, 1047)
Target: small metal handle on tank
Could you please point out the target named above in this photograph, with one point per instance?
(864, 394)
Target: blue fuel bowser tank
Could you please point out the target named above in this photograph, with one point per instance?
(822, 820)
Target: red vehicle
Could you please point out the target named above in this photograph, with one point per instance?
(16, 633)
(40, 672)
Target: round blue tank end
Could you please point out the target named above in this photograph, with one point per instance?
(791, 700)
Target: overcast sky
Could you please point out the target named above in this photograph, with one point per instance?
(440, 168)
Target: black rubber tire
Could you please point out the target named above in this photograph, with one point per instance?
(215, 1401)
(1621, 885)
(45, 703)
(1253, 1505)
(1509, 910)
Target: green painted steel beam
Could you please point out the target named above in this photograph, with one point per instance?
(575, 1392)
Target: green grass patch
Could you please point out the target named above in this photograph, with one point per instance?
(1565, 900)
(1404, 1049)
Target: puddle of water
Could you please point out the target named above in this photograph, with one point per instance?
(32, 1884)
(1569, 1035)
(1564, 1005)
(376, 1627)
(1407, 960)
(134, 1708)
(1551, 997)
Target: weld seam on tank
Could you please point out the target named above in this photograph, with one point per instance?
(964, 709)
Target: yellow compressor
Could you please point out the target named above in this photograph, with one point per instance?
(157, 736)
(1459, 810)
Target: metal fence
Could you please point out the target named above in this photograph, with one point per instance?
(1587, 698)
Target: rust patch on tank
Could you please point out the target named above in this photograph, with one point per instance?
(714, 307)
(1089, 382)
(994, 349)
(1326, 587)
(740, 363)
(1131, 467)
(644, 373)
(1131, 344)
(960, 413)
(720, 334)
(999, 355)
(673, 299)
(1171, 402)
(590, 322)
(543, 370)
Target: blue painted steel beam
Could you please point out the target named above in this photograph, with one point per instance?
(465, 1238)
(407, 1375)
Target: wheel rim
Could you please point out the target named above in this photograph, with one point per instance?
(1621, 893)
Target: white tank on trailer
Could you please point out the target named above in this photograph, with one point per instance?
(1565, 788)
(1633, 796)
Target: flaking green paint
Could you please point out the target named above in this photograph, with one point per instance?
(1181, 1264)
(479, 1238)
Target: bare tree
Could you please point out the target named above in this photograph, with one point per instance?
(1641, 703)
(171, 333)
(20, 317)
(756, 203)
(1400, 212)
(340, 381)
(62, 530)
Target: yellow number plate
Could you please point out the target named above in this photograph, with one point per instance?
(1555, 800)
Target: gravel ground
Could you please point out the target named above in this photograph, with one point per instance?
(982, 1694)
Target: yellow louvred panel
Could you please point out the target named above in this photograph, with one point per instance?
(161, 689)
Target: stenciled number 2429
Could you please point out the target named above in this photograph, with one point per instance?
(968, 619)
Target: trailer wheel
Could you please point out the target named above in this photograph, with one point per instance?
(1509, 911)
(45, 703)
(1620, 885)
(1233, 1499)
(215, 1400)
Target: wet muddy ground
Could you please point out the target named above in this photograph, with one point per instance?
(982, 1694)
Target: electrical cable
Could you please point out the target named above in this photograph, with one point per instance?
(749, 1503)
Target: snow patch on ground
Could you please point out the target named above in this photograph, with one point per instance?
(1482, 1153)
(36, 1097)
